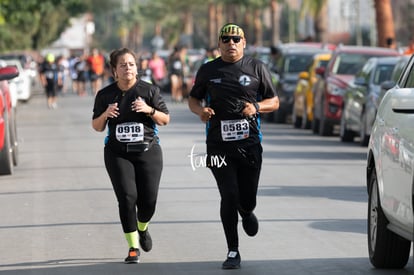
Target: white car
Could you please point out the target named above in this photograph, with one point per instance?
(390, 176)
(22, 83)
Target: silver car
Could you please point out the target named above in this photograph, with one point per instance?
(390, 176)
(360, 99)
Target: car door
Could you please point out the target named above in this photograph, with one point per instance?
(397, 156)
(358, 93)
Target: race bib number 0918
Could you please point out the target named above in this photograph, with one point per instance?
(234, 129)
(130, 132)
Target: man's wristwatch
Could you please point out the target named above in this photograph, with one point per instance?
(256, 105)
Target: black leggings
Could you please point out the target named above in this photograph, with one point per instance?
(237, 182)
(135, 178)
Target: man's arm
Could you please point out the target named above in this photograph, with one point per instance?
(197, 108)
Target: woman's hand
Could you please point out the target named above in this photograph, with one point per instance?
(139, 105)
(112, 110)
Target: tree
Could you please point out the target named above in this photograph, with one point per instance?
(385, 23)
(317, 9)
(275, 22)
(33, 24)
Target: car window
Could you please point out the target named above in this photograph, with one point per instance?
(397, 71)
(349, 63)
(296, 63)
(382, 73)
(322, 63)
(410, 79)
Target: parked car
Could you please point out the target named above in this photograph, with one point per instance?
(294, 59)
(23, 82)
(27, 61)
(302, 114)
(346, 61)
(8, 129)
(361, 99)
(390, 176)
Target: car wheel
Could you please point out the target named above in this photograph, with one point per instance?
(345, 134)
(386, 249)
(6, 157)
(13, 137)
(364, 138)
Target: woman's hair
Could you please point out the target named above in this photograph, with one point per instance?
(115, 54)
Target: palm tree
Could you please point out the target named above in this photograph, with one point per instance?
(385, 23)
(275, 22)
(317, 9)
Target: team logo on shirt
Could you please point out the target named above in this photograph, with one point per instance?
(244, 80)
(216, 80)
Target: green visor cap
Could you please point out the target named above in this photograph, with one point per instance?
(231, 30)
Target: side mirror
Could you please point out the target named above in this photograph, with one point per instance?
(388, 84)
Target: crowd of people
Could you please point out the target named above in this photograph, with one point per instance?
(77, 74)
(86, 74)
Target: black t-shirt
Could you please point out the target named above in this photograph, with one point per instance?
(176, 66)
(111, 94)
(225, 87)
(50, 71)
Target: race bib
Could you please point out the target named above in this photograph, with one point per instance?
(129, 132)
(237, 129)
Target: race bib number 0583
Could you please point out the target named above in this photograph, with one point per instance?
(130, 132)
(234, 129)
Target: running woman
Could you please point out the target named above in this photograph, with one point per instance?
(229, 94)
(132, 109)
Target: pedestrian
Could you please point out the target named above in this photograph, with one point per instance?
(176, 70)
(82, 72)
(144, 72)
(229, 94)
(96, 62)
(51, 79)
(73, 60)
(132, 109)
(159, 70)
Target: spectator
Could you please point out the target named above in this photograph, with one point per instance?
(96, 63)
(176, 70)
(159, 70)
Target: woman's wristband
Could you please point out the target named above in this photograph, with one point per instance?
(152, 112)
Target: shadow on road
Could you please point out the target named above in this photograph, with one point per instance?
(330, 266)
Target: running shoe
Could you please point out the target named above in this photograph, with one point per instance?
(133, 256)
(233, 260)
(250, 225)
(145, 240)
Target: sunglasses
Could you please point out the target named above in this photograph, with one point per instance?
(226, 39)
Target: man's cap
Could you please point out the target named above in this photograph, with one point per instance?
(231, 29)
(50, 57)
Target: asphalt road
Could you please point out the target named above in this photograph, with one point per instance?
(59, 215)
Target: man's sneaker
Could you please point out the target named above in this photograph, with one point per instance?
(232, 261)
(133, 256)
(145, 240)
(250, 225)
